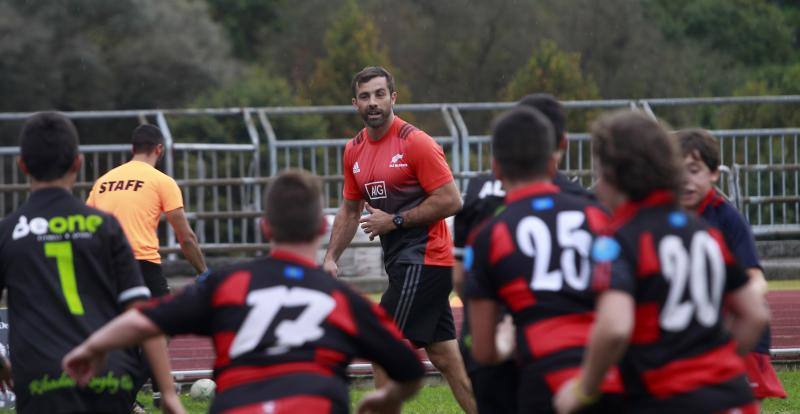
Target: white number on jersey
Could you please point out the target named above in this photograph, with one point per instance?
(693, 270)
(534, 240)
(288, 333)
(492, 188)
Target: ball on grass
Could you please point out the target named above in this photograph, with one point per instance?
(202, 389)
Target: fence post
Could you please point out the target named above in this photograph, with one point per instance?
(272, 144)
(253, 132)
(169, 166)
(448, 121)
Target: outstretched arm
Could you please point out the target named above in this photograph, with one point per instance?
(126, 330)
(344, 228)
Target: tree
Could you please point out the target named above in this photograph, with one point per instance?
(754, 32)
(553, 71)
(774, 80)
(351, 43)
(250, 23)
(106, 55)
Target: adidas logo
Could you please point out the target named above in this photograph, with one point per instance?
(356, 168)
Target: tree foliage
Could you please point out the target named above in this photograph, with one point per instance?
(552, 71)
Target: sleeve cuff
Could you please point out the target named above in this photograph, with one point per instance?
(138, 292)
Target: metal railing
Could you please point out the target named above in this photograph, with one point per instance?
(222, 182)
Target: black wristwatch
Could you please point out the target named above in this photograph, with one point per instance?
(398, 221)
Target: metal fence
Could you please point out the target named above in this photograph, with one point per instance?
(222, 176)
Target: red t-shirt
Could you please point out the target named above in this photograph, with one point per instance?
(396, 173)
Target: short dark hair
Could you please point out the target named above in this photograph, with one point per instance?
(522, 143)
(699, 142)
(48, 145)
(146, 138)
(293, 206)
(549, 106)
(636, 154)
(369, 73)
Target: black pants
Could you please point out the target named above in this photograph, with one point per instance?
(155, 281)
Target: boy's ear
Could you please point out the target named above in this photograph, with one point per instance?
(715, 176)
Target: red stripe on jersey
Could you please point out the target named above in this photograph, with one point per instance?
(558, 333)
(648, 259)
(688, 374)
(596, 218)
(222, 346)
(287, 405)
(601, 276)
(341, 316)
(329, 357)
(501, 244)
(612, 382)
(239, 375)
(517, 295)
(531, 190)
(625, 212)
(752, 408)
(646, 329)
(723, 247)
(233, 290)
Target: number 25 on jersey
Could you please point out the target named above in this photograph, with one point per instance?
(534, 240)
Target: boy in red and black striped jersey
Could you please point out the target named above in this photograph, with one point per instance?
(533, 258)
(701, 163)
(284, 331)
(662, 275)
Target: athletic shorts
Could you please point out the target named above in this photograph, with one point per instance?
(762, 377)
(154, 278)
(495, 387)
(418, 298)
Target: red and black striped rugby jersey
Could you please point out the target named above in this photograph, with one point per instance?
(678, 269)
(534, 258)
(282, 328)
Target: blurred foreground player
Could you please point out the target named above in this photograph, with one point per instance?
(69, 270)
(663, 275)
(701, 168)
(533, 258)
(495, 385)
(284, 331)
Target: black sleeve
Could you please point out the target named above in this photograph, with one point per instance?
(380, 341)
(479, 283)
(187, 312)
(463, 219)
(125, 269)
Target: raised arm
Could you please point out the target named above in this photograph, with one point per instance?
(344, 228)
(187, 239)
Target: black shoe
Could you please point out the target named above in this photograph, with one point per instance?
(138, 408)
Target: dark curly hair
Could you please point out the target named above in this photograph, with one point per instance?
(636, 154)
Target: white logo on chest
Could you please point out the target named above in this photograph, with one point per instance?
(356, 168)
(376, 189)
(396, 161)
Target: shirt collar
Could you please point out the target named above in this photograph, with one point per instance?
(626, 211)
(289, 256)
(531, 190)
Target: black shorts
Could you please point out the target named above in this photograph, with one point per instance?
(418, 298)
(154, 278)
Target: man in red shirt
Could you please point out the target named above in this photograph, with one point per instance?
(402, 175)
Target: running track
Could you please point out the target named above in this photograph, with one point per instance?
(196, 353)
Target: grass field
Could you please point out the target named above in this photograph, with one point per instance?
(436, 399)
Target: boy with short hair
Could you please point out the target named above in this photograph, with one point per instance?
(701, 162)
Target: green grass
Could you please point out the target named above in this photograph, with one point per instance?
(791, 382)
(437, 399)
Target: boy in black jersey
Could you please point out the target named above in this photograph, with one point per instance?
(68, 269)
(495, 386)
(533, 258)
(284, 331)
(662, 275)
